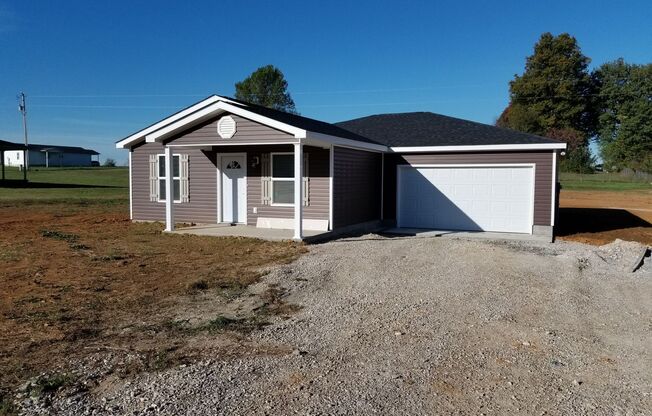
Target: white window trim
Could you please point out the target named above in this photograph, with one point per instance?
(272, 179)
(159, 177)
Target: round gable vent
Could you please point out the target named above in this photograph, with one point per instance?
(226, 127)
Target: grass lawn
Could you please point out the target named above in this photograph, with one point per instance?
(59, 184)
(601, 182)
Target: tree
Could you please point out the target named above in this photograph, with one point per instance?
(109, 163)
(624, 114)
(553, 97)
(266, 87)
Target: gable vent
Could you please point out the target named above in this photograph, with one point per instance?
(226, 127)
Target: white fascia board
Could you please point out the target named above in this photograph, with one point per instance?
(215, 109)
(478, 148)
(194, 118)
(339, 141)
(181, 114)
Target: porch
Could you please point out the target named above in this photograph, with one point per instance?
(249, 231)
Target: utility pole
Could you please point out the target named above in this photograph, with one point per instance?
(22, 107)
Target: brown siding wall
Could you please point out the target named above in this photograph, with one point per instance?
(247, 131)
(543, 175)
(356, 186)
(202, 207)
(202, 181)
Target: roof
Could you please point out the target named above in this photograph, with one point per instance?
(5, 145)
(60, 149)
(301, 122)
(430, 129)
(404, 132)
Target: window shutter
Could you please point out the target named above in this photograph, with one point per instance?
(305, 181)
(265, 179)
(153, 178)
(183, 178)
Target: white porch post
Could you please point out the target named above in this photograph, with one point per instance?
(169, 190)
(298, 190)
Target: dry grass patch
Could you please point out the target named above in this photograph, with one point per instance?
(80, 278)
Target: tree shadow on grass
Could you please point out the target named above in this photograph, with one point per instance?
(594, 220)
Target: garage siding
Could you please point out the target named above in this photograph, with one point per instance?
(542, 180)
(357, 183)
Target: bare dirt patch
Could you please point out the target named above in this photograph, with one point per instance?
(600, 217)
(79, 282)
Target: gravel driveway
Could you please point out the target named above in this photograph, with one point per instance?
(412, 326)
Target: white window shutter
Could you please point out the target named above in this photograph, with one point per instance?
(265, 179)
(183, 177)
(153, 178)
(305, 181)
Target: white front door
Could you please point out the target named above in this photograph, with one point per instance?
(477, 198)
(233, 187)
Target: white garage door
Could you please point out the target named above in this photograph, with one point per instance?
(475, 198)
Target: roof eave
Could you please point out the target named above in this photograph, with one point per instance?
(478, 148)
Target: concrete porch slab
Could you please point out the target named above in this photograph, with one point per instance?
(228, 230)
(486, 235)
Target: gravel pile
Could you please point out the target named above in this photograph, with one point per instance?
(409, 326)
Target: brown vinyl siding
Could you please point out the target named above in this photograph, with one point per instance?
(356, 186)
(247, 131)
(318, 184)
(202, 207)
(542, 180)
(202, 182)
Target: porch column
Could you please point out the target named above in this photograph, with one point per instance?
(25, 156)
(169, 190)
(298, 191)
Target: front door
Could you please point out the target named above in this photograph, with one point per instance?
(234, 191)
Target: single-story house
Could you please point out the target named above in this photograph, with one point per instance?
(234, 162)
(5, 147)
(52, 156)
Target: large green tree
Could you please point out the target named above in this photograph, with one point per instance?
(624, 110)
(553, 97)
(267, 87)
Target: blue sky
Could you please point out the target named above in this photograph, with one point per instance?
(96, 71)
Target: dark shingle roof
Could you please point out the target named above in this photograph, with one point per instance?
(61, 149)
(301, 122)
(5, 145)
(430, 129)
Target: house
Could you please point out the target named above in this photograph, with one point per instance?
(6, 147)
(233, 162)
(52, 156)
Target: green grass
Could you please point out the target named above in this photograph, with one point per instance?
(601, 182)
(68, 184)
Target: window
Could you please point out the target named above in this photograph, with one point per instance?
(176, 178)
(282, 178)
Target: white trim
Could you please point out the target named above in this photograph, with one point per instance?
(478, 148)
(554, 189)
(210, 145)
(400, 167)
(158, 178)
(169, 190)
(342, 142)
(215, 109)
(218, 160)
(331, 172)
(298, 191)
(131, 190)
(140, 134)
(288, 223)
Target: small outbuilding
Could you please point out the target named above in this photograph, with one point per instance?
(15, 148)
(53, 156)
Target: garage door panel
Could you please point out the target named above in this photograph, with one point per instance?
(466, 198)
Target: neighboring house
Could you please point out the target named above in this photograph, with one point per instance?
(52, 156)
(233, 162)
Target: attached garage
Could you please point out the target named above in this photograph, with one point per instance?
(466, 197)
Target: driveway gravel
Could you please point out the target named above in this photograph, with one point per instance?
(410, 326)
